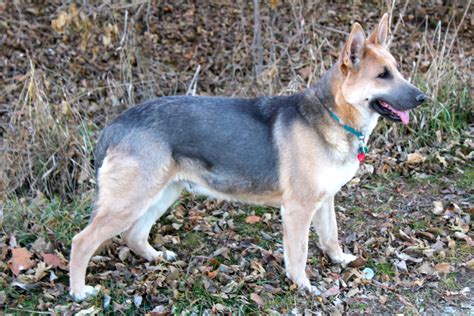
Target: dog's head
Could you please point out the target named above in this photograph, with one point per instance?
(371, 81)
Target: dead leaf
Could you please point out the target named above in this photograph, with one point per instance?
(252, 219)
(124, 253)
(257, 299)
(437, 207)
(41, 271)
(334, 290)
(12, 242)
(219, 308)
(402, 265)
(59, 23)
(453, 207)
(357, 263)
(470, 264)
(426, 268)
(465, 291)
(405, 257)
(40, 245)
(274, 4)
(442, 160)
(443, 267)
(52, 276)
(20, 260)
(451, 244)
(159, 310)
(353, 292)
(419, 282)
(255, 265)
(223, 251)
(464, 237)
(54, 260)
(89, 311)
(415, 158)
(212, 274)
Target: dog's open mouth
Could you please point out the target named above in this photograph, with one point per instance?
(389, 112)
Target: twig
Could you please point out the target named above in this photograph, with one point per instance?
(400, 19)
(331, 29)
(28, 311)
(122, 40)
(459, 26)
(125, 6)
(257, 40)
(193, 85)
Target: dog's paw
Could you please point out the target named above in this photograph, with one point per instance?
(87, 292)
(310, 289)
(343, 259)
(304, 284)
(168, 255)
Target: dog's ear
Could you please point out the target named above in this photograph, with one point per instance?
(353, 49)
(380, 34)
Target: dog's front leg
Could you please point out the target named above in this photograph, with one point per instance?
(324, 222)
(296, 223)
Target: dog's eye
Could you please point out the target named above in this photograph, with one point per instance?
(385, 74)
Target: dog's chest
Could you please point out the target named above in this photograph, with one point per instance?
(332, 176)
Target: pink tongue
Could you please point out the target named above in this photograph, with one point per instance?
(404, 116)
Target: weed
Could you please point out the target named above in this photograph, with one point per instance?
(360, 306)
(381, 268)
(53, 219)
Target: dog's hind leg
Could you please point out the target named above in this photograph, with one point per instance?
(136, 236)
(126, 192)
(324, 222)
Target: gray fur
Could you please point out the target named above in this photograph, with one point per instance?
(232, 139)
(403, 96)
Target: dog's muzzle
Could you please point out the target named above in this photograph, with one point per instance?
(397, 109)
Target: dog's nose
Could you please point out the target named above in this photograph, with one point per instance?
(420, 98)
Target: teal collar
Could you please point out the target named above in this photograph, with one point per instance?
(362, 148)
(348, 128)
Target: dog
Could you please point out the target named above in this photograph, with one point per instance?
(293, 152)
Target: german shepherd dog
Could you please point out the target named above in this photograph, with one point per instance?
(293, 152)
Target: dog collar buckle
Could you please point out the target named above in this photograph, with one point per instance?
(362, 150)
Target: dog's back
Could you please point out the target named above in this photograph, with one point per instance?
(230, 138)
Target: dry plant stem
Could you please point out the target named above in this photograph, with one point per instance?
(257, 41)
(468, 5)
(193, 84)
(400, 19)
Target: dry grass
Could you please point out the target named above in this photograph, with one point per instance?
(48, 145)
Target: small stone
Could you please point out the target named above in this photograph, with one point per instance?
(137, 300)
(106, 303)
(368, 273)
